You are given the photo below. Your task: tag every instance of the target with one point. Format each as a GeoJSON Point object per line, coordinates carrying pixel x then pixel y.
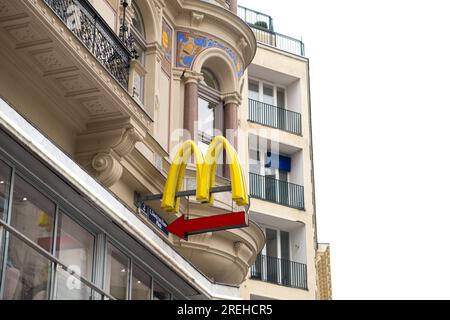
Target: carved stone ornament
{"type": "Point", "coordinates": [196, 19]}
{"type": "Point", "coordinates": [103, 148]}
{"type": "Point", "coordinates": [109, 170]}
{"type": "Point", "coordinates": [127, 142]}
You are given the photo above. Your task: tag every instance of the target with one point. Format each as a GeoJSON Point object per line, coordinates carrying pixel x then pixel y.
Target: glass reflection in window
{"type": "Point", "coordinates": [159, 293]}
{"type": "Point", "coordinates": [141, 285]}
{"type": "Point", "coordinates": [268, 94]}
{"type": "Point", "coordinates": [210, 80]}
{"type": "Point", "coordinates": [253, 90]}
{"type": "Point", "coordinates": [137, 21]}
{"type": "Point", "coordinates": [32, 213]}
{"type": "Point", "coordinates": [117, 272]}
{"type": "Point", "coordinates": [206, 117]}
{"type": "Point", "coordinates": [5, 184]}
{"type": "Point", "coordinates": [5, 178]}
{"type": "Point", "coordinates": [75, 248]}
{"type": "Point", "coordinates": [27, 273]}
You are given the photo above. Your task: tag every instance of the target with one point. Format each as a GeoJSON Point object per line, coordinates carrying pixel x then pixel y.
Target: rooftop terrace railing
{"type": "Point", "coordinates": [262, 26]}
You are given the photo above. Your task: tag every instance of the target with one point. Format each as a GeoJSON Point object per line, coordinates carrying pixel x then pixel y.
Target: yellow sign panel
{"type": "Point", "coordinates": [206, 172]}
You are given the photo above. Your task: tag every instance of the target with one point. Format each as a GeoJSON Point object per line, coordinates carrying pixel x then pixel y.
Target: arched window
{"type": "Point", "coordinates": [210, 80]}
{"type": "Point", "coordinates": [137, 22]}
{"type": "Point", "coordinates": [210, 109]}
{"type": "Point", "coordinates": [138, 33]}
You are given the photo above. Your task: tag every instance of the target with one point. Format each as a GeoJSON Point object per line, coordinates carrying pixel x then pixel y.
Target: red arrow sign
{"type": "Point", "coordinates": [183, 228]}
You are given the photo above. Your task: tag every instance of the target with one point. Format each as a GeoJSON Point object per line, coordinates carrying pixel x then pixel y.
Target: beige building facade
{"type": "Point", "coordinates": [96, 97]}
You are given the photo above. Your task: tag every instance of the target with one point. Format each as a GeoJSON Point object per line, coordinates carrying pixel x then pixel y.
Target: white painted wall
{"type": "Point", "coordinates": [298, 244]}
{"type": "Point", "coordinates": [294, 96]}
{"type": "Point", "coordinates": [108, 13]}
{"type": "Point", "coordinates": [297, 172]}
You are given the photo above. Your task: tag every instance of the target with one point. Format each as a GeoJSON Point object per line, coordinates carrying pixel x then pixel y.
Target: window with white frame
{"type": "Point", "coordinates": [277, 245]}
{"type": "Point", "coordinates": [268, 93]}
{"type": "Point", "coordinates": [277, 252]}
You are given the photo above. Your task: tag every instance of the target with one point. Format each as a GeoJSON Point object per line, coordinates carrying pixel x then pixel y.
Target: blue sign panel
{"type": "Point", "coordinates": [277, 161]}
{"type": "Point", "coordinates": [154, 218]}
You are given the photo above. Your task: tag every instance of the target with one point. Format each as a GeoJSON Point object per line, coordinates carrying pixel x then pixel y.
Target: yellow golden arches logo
{"type": "Point", "coordinates": [206, 172]}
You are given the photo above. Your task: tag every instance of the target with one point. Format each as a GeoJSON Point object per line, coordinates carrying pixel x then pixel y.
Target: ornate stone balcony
{"type": "Point", "coordinates": [95, 34]}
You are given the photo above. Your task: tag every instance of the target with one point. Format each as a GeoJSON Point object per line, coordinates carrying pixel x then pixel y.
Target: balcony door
{"type": "Point", "coordinates": [283, 187]}
{"type": "Point", "coordinates": [285, 263]}
{"type": "Point", "coordinates": [270, 184]}
{"type": "Point", "coordinates": [274, 97]}
{"type": "Point", "coordinates": [253, 90]}
{"type": "Point", "coordinates": [281, 104]}
{"type": "Point", "coordinates": [272, 255]}
{"type": "Point", "coordinates": [277, 263]}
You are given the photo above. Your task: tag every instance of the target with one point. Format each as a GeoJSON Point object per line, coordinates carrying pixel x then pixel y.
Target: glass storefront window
{"type": "Point", "coordinates": [27, 273]}
{"type": "Point", "coordinates": [2, 243]}
{"type": "Point", "coordinates": [5, 184]}
{"type": "Point", "coordinates": [141, 285]}
{"type": "Point", "coordinates": [32, 214]}
{"type": "Point", "coordinates": [75, 248]}
{"type": "Point", "coordinates": [117, 272]}
{"type": "Point", "coordinates": [26, 270]}
{"type": "Point", "coordinates": [70, 288]}
{"type": "Point", "coordinates": [159, 293]}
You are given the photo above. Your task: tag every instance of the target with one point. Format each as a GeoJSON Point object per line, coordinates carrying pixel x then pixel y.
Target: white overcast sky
{"type": "Point", "coordinates": [381, 123]}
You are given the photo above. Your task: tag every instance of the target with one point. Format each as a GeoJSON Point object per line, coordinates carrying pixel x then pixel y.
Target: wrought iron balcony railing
{"type": "Point", "coordinates": [280, 271]}
{"type": "Point", "coordinates": [262, 26]}
{"type": "Point", "coordinates": [275, 117]}
{"type": "Point", "coordinates": [277, 191]}
{"type": "Point", "coordinates": [95, 34]}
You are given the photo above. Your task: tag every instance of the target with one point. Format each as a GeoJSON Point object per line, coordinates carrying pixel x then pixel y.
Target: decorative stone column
{"type": "Point", "coordinates": [233, 6]}
{"type": "Point", "coordinates": [191, 104]}
{"type": "Point", "coordinates": [231, 125]}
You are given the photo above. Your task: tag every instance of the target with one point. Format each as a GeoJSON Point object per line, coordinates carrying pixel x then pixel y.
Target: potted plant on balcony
{"type": "Point", "coordinates": [262, 25]}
